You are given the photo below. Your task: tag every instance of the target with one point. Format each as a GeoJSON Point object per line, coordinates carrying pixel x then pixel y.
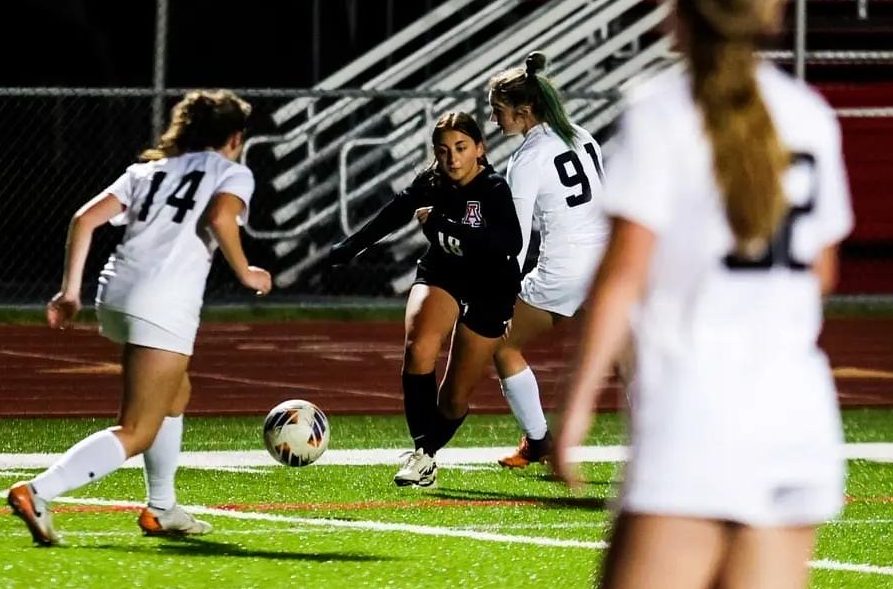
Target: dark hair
{"type": "Point", "coordinates": [522, 86]}
{"type": "Point", "coordinates": [202, 119]}
{"type": "Point", "coordinates": [457, 121]}
{"type": "Point", "coordinates": [452, 121]}
{"type": "Point", "coordinates": [748, 155]}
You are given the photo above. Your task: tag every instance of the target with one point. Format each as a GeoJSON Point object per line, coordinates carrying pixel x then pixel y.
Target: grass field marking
{"type": "Point", "coordinates": [129, 533]}
{"type": "Point", "coordinates": [361, 525]}
{"type": "Point", "coordinates": [375, 526]}
{"type": "Point", "coordinates": [386, 456]}
{"type": "Point", "coordinates": [867, 569]}
{"type": "Point", "coordinates": [217, 459]}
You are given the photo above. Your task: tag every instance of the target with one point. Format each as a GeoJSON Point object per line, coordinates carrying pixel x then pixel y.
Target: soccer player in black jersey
{"type": "Point", "coordinates": [465, 285]}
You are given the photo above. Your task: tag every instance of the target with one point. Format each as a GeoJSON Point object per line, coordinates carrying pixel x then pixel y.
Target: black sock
{"type": "Point", "coordinates": [442, 432]}
{"type": "Point", "coordinates": [420, 405]}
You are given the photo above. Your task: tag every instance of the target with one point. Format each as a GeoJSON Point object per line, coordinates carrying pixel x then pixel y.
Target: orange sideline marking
{"type": "Point", "coordinates": [347, 505]}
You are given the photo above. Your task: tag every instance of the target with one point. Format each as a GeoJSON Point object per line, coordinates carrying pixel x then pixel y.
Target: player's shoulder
{"type": "Point", "coordinates": [490, 179]}
{"type": "Point", "coordinates": [795, 98]}
{"type": "Point", "coordinates": [582, 135]}
{"type": "Point", "coordinates": [541, 143]}
{"type": "Point", "coordinates": [654, 94]}
{"type": "Point", "coordinates": [223, 166]}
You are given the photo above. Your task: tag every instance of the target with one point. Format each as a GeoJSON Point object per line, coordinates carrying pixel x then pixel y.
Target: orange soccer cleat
{"type": "Point", "coordinates": [529, 451]}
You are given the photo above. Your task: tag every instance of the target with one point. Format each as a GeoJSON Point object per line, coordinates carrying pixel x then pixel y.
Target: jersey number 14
{"type": "Point", "coordinates": [183, 204]}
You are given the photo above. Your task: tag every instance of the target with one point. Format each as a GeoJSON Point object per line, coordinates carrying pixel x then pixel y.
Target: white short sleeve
{"type": "Point", "coordinates": [122, 189]}
{"type": "Point", "coordinates": [238, 181]}
{"type": "Point", "coordinates": [523, 176]}
{"type": "Point", "coordinates": [640, 178]}
{"type": "Point", "coordinates": [833, 210]}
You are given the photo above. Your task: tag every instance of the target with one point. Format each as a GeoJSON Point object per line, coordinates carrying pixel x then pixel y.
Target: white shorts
{"type": "Point", "coordinates": [124, 328]}
{"type": "Point", "coordinates": [763, 448]}
{"type": "Point", "coordinates": [558, 292]}
{"type": "Point", "coordinates": [750, 502]}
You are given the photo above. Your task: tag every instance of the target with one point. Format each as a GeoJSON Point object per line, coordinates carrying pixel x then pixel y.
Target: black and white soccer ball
{"type": "Point", "coordinates": [296, 432]}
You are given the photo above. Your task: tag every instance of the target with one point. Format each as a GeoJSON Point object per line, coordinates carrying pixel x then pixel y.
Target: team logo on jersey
{"type": "Point", "coordinates": [473, 214]}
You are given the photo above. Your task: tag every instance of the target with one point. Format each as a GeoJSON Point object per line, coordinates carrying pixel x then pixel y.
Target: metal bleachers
{"type": "Point", "coordinates": [339, 155]}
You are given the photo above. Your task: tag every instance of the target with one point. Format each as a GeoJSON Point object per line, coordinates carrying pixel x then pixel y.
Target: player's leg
{"type": "Point", "coordinates": [151, 381]}
{"type": "Point", "coordinates": [519, 383]}
{"type": "Point", "coordinates": [768, 558]}
{"type": "Point", "coordinates": [649, 551]}
{"type": "Point", "coordinates": [162, 456]}
{"type": "Point", "coordinates": [470, 356]}
{"type": "Point", "coordinates": [162, 515]}
{"type": "Point", "coordinates": [431, 314]}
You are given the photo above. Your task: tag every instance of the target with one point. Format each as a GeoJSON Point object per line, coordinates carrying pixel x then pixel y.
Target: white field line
{"type": "Point", "coordinates": [868, 569]}
{"type": "Point", "coordinates": [881, 452]}
{"type": "Point", "coordinates": [371, 526]}
{"type": "Point", "coordinates": [375, 526]}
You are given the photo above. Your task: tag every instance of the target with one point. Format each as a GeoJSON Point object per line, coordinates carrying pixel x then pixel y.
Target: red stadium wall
{"type": "Point", "coordinates": [867, 256]}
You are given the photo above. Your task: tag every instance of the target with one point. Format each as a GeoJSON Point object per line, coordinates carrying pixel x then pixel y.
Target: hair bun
{"type": "Point", "coordinates": [535, 63]}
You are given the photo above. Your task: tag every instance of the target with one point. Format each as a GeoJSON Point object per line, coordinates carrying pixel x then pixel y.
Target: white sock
{"type": "Point", "coordinates": [161, 460]}
{"type": "Point", "coordinates": [89, 460]}
{"type": "Point", "coordinates": [523, 395]}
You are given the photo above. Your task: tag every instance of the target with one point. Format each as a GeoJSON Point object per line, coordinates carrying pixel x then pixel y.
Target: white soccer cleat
{"type": "Point", "coordinates": [419, 470]}
{"type": "Point", "coordinates": [35, 512]}
{"type": "Point", "coordinates": [171, 522]}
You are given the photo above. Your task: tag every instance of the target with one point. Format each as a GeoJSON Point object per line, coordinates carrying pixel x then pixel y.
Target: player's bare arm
{"type": "Point", "coordinates": [66, 303]}
{"type": "Point", "coordinates": [221, 219]}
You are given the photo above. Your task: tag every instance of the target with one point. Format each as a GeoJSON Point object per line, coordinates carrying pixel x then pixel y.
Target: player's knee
{"type": "Point", "coordinates": [453, 406]}
{"type": "Point", "coordinates": [136, 439]}
{"type": "Point", "coordinates": [420, 355]}
{"type": "Point", "coordinates": [506, 356]}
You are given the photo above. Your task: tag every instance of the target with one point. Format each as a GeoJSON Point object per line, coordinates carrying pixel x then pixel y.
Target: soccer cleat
{"type": "Point", "coordinates": [35, 512]}
{"type": "Point", "coordinates": [528, 452]}
{"type": "Point", "coordinates": [419, 469]}
{"type": "Point", "coordinates": [171, 522]}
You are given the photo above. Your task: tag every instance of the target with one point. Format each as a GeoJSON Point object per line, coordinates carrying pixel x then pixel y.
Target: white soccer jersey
{"type": "Point", "coordinates": [734, 398]}
{"type": "Point", "coordinates": [158, 272]}
{"type": "Point", "coordinates": [562, 188]}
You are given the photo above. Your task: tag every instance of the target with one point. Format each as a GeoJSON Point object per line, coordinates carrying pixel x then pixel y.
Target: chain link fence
{"type": "Point", "coordinates": [325, 162]}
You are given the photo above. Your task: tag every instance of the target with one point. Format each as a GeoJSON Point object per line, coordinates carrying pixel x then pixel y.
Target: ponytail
{"type": "Point", "coordinates": [202, 119]}
{"type": "Point", "coordinates": [526, 86]}
{"type": "Point", "coordinates": [748, 155]}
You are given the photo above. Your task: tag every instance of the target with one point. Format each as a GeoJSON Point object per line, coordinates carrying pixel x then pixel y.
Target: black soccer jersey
{"type": "Point", "coordinates": [473, 230]}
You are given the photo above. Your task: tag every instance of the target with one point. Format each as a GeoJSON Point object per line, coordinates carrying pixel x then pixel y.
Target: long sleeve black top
{"type": "Point", "coordinates": [472, 229]}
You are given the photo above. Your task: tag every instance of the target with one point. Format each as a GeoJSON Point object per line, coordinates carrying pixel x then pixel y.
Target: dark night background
{"type": "Point", "coordinates": [211, 43]}
{"type": "Point", "coordinates": [58, 151]}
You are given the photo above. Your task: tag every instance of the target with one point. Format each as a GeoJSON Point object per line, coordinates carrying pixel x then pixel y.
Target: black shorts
{"type": "Point", "coordinates": [485, 306]}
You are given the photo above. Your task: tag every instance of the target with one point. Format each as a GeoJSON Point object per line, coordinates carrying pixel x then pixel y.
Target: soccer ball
{"type": "Point", "coordinates": [296, 432]}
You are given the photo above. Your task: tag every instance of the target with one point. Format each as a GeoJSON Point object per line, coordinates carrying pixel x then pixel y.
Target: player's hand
{"type": "Point", "coordinates": [571, 433]}
{"type": "Point", "coordinates": [423, 214]}
{"type": "Point", "coordinates": [62, 309]}
{"type": "Point", "coordinates": [257, 279]}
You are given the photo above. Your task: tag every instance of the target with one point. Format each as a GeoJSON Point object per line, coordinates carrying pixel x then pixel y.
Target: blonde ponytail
{"type": "Point", "coordinates": [748, 155]}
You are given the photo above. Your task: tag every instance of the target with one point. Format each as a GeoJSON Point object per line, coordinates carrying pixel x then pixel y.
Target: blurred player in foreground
{"type": "Point", "coordinates": [728, 196]}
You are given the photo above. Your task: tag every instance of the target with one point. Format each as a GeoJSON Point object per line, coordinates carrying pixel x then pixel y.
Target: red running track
{"type": "Point", "coordinates": [345, 367]}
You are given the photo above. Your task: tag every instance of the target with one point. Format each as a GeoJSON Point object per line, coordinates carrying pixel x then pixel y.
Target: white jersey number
{"type": "Point", "coordinates": [449, 244]}
{"type": "Point", "coordinates": [779, 253]}
{"type": "Point", "coordinates": [578, 178]}
{"type": "Point", "coordinates": [183, 204]}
